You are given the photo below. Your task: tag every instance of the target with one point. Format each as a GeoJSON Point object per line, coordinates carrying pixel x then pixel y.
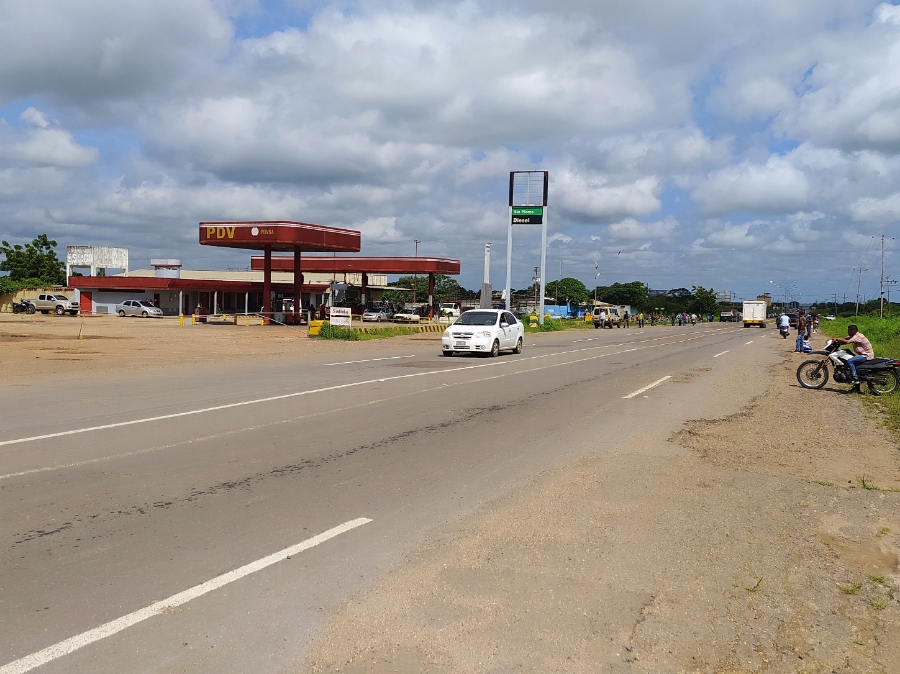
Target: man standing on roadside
{"type": "Point", "coordinates": [801, 331]}
{"type": "Point", "coordinates": [863, 349]}
{"type": "Point", "coordinates": [641, 319]}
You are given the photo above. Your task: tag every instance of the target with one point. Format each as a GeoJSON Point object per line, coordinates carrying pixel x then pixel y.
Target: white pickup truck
{"type": "Point", "coordinates": [58, 304]}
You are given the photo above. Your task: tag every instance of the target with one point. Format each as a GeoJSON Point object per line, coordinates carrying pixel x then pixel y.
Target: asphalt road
{"type": "Point", "coordinates": [129, 490]}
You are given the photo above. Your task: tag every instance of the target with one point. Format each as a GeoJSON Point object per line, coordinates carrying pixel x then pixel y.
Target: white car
{"type": "Point", "coordinates": [141, 308]}
{"type": "Point", "coordinates": [486, 331]}
{"type": "Point", "coordinates": [407, 317]}
{"type": "Point", "coordinates": [376, 315]}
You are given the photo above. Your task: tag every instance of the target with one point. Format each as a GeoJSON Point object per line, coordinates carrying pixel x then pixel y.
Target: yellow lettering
{"type": "Point", "coordinates": [210, 231]}
{"type": "Point", "coordinates": [220, 232]}
{"type": "Point", "coordinates": [230, 231]}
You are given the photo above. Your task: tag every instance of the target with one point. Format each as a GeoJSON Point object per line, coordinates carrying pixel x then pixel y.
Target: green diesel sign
{"type": "Point", "coordinates": [528, 211]}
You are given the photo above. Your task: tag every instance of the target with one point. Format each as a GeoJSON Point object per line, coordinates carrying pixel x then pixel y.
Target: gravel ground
{"type": "Point", "coordinates": [711, 549]}
{"type": "Point", "coordinates": [37, 346]}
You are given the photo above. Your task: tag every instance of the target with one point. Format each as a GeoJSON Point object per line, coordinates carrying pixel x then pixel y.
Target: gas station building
{"type": "Point", "coordinates": [273, 282]}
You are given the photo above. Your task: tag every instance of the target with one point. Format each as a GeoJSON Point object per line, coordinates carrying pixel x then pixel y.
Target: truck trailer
{"type": "Point", "coordinates": [755, 313]}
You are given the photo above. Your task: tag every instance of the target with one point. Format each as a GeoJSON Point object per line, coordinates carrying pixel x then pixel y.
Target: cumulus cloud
{"type": "Point", "coordinates": [629, 228]}
{"type": "Point", "coordinates": [775, 186]}
{"type": "Point", "coordinates": [596, 196]}
{"type": "Point", "coordinates": [42, 143]}
{"type": "Point", "coordinates": [671, 131]}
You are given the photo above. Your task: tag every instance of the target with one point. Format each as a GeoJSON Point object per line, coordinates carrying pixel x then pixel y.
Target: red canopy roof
{"type": "Point", "coordinates": [280, 235]}
{"type": "Point", "coordinates": [368, 265]}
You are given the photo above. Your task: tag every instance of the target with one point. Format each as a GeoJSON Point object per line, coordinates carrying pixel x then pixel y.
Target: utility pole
{"type": "Point", "coordinates": [889, 282]}
{"type": "Point", "coordinates": [835, 304]}
{"type": "Point", "coordinates": [881, 286]}
{"type": "Point", "coordinates": [859, 270]}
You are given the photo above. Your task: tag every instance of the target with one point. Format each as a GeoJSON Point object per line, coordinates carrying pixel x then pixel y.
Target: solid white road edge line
{"type": "Point", "coordinates": [632, 395]}
{"type": "Point", "coordinates": [55, 651]}
{"type": "Point", "coordinates": [285, 396]}
{"type": "Point", "coordinates": [720, 354]}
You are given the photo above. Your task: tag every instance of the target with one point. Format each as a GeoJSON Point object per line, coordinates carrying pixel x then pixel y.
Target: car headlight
{"type": "Point", "coordinates": [484, 333]}
{"type": "Point", "coordinates": [447, 334]}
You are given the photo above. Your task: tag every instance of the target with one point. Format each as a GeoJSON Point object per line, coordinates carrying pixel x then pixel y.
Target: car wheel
{"type": "Point", "coordinates": [518, 348]}
{"type": "Point", "coordinates": [495, 349]}
{"type": "Point", "coordinates": [60, 311]}
{"type": "Point", "coordinates": [45, 311]}
{"type": "Point", "coordinates": [144, 314]}
{"type": "Point", "coordinates": [122, 313]}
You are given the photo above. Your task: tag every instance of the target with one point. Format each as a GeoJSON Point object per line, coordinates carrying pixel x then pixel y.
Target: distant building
{"type": "Point", "coordinates": [765, 297]}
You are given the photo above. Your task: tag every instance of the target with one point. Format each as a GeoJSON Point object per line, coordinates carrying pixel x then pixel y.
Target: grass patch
{"type": "Point", "coordinates": [329, 331]}
{"type": "Point", "coordinates": [824, 483]}
{"type": "Point", "coordinates": [880, 603]}
{"type": "Point", "coordinates": [865, 482]}
{"type": "Point", "coordinates": [885, 337]}
{"type": "Point", "coordinates": [754, 588]}
{"type": "Point", "coordinates": [883, 531]}
{"type": "Point", "coordinates": [852, 588]}
{"type": "Point", "coordinates": [877, 579]}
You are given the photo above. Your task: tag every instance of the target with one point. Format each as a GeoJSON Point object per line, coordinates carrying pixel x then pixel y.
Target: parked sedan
{"type": "Point", "coordinates": [376, 315]}
{"type": "Point", "coordinates": [486, 331]}
{"type": "Point", "coordinates": [411, 316]}
{"type": "Point", "coordinates": [141, 308]}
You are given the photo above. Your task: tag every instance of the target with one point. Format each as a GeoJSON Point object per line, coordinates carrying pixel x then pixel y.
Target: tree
{"type": "Point", "coordinates": [445, 288]}
{"type": "Point", "coordinates": [634, 294]}
{"type": "Point", "coordinates": [568, 290]}
{"type": "Point", "coordinates": [704, 301]}
{"type": "Point", "coordinates": [33, 261]}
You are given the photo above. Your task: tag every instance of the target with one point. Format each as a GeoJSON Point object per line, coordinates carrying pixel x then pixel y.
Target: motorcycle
{"type": "Point", "coordinates": [785, 330]}
{"type": "Point", "coordinates": [881, 374]}
{"type": "Point", "coordinates": [23, 307]}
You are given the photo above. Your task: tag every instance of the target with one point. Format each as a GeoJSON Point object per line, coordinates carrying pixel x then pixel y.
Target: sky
{"type": "Point", "coordinates": [744, 146]}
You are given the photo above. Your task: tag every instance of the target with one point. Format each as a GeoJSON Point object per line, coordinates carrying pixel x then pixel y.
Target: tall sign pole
{"type": "Point", "coordinates": [527, 206]}
{"type": "Point", "coordinates": [509, 248]}
{"type": "Point", "coordinates": [544, 263]}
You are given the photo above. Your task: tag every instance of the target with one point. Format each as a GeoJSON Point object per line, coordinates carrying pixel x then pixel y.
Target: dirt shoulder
{"type": "Point", "coordinates": [35, 346]}
{"type": "Point", "coordinates": [711, 550]}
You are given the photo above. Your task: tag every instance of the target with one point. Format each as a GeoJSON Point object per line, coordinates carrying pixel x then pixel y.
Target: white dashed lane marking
{"type": "Point", "coordinates": [647, 387]}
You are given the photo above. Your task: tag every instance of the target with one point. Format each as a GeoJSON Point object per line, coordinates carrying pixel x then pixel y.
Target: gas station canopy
{"type": "Point", "coordinates": [366, 265]}
{"type": "Point", "coordinates": [279, 235]}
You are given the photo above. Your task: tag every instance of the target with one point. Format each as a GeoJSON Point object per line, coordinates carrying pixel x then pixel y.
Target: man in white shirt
{"type": "Point", "coordinates": [602, 318]}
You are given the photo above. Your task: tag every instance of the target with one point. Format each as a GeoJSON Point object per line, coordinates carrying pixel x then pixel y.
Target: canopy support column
{"type": "Point", "coordinates": [431, 295]}
{"type": "Point", "coordinates": [267, 284]}
{"type": "Point", "coordinates": [298, 284]}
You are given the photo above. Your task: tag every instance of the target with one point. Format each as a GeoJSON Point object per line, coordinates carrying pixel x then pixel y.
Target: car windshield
{"type": "Point", "coordinates": [478, 318]}
{"type": "Point", "coordinates": [448, 305]}
{"type": "Point", "coordinates": [62, 297]}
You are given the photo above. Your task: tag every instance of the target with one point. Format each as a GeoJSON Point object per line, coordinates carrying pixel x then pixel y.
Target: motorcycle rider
{"type": "Point", "coordinates": [784, 322]}
{"type": "Point", "coordinates": [862, 347]}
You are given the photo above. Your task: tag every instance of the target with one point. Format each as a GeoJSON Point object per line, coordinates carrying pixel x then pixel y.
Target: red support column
{"type": "Point", "coordinates": [364, 289]}
{"type": "Point", "coordinates": [267, 284]}
{"type": "Point", "coordinates": [298, 285]}
{"type": "Point", "coordinates": [431, 296]}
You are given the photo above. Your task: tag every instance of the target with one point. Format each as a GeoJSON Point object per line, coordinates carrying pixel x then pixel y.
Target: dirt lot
{"type": "Point", "coordinates": [692, 552]}
{"type": "Point", "coordinates": [39, 346]}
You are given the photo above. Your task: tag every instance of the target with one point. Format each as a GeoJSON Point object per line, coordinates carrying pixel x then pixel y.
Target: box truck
{"type": "Point", "coordinates": [755, 313]}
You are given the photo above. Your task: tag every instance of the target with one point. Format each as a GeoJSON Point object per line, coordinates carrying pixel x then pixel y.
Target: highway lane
{"type": "Point", "coordinates": [149, 510]}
